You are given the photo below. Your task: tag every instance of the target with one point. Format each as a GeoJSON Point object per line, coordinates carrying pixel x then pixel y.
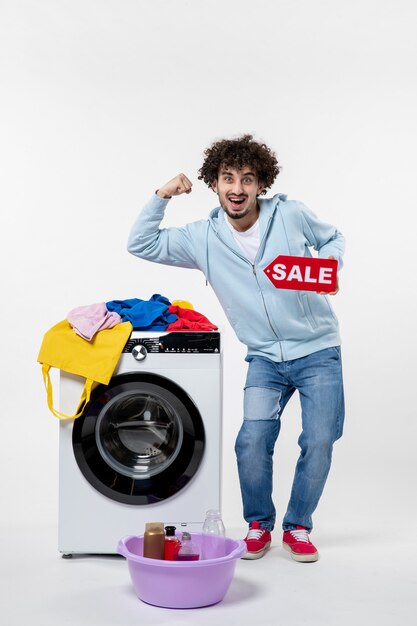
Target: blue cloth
{"type": "Point", "coordinates": [152, 314]}
{"type": "Point", "coordinates": [269, 386]}
{"type": "Point", "coordinates": [281, 324]}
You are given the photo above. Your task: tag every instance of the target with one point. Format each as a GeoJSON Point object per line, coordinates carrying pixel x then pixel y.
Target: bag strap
{"type": "Point", "coordinates": [85, 396]}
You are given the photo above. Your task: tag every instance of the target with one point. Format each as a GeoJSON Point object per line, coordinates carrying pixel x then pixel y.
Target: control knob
{"type": "Point", "coordinates": [139, 352]}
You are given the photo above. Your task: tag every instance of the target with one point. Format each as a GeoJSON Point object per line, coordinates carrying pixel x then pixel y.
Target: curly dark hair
{"type": "Point", "coordinates": [237, 153]}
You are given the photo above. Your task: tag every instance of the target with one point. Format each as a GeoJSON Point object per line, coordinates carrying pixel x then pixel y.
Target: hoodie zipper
{"type": "Point", "coordinates": [278, 336]}
{"type": "Point", "coordinates": [261, 246]}
{"type": "Point", "coordinates": [258, 255]}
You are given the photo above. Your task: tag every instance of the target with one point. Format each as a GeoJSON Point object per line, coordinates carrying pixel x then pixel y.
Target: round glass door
{"type": "Point", "coordinates": [140, 440]}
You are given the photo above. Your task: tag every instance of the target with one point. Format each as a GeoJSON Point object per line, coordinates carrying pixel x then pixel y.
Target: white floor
{"type": "Point", "coordinates": [361, 578]}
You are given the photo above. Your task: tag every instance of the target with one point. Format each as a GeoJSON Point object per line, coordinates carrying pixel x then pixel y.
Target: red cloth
{"type": "Point", "coordinates": [188, 319]}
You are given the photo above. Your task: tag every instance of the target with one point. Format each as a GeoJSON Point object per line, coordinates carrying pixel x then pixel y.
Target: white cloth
{"type": "Point", "coordinates": [248, 240]}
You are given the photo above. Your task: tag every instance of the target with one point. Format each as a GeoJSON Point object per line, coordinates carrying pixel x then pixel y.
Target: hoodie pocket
{"type": "Point", "coordinates": [308, 312]}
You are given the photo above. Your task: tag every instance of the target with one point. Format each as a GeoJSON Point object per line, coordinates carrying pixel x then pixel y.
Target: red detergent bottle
{"type": "Point", "coordinates": [188, 551]}
{"type": "Point", "coordinates": [172, 544]}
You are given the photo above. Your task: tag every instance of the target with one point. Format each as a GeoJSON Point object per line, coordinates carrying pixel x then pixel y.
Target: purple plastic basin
{"type": "Point", "coordinates": [183, 584]}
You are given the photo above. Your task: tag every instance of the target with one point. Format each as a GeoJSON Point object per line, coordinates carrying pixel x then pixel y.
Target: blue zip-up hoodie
{"type": "Point", "coordinates": [281, 324]}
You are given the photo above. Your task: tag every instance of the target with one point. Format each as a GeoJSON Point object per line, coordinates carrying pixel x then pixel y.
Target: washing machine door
{"type": "Point", "coordinates": [140, 439]}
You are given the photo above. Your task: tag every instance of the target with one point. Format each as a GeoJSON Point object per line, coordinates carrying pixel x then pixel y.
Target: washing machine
{"type": "Point", "coordinates": [148, 446]}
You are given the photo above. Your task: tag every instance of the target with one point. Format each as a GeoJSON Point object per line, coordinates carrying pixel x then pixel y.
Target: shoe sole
{"type": "Point", "coordinates": [301, 558]}
{"type": "Point", "coordinates": [250, 556]}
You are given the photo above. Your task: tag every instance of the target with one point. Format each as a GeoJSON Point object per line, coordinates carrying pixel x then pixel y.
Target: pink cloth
{"type": "Point", "coordinates": [88, 320]}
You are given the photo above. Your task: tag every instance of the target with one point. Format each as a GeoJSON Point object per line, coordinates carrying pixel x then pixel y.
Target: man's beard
{"type": "Point", "coordinates": [231, 212]}
{"type": "Point", "coordinates": [237, 216]}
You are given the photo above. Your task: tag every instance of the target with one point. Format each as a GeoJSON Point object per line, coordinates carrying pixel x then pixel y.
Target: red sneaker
{"type": "Point", "coordinates": [298, 543]}
{"type": "Point", "coordinates": [257, 541]}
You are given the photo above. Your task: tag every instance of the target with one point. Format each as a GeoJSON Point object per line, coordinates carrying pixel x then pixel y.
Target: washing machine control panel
{"type": "Point", "coordinates": [182, 342]}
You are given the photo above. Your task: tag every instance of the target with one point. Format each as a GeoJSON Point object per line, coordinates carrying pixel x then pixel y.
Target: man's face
{"type": "Point", "coordinates": [238, 191]}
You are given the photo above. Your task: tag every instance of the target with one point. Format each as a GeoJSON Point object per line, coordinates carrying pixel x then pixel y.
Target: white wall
{"type": "Point", "coordinates": [103, 101]}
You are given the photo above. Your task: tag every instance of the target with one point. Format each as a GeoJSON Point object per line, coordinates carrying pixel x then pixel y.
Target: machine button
{"type": "Point", "coordinates": [139, 352]}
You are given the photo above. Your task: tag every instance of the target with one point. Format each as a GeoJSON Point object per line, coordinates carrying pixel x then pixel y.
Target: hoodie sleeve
{"type": "Point", "coordinates": [170, 246]}
{"type": "Point", "coordinates": [323, 237]}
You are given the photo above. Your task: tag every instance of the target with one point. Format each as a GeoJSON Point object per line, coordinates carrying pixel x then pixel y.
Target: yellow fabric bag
{"type": "Point", "coordinates": [93, 360]}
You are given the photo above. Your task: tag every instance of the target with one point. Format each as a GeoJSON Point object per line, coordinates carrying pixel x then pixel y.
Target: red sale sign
{"type": "Point", "coordinates": [304, 273]}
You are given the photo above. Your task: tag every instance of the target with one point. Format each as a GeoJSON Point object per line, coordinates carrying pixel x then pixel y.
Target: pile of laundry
{"type": "Point", "coordinates": [155, 314]}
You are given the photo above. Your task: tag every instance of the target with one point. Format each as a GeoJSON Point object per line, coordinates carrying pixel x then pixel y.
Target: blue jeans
{"type": "Point", "coordinates": [269, 386]}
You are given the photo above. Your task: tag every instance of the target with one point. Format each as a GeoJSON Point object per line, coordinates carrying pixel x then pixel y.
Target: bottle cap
{"type": "Point", "coordinates": [154, 527]}
{"type": "Point", "coordinates": [170, 531]}
{"type": "Point", "coordinates": [186, 535]}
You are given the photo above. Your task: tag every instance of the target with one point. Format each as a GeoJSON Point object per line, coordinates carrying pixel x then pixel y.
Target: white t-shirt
{"type": "Point", "coordinates": [248, 241]}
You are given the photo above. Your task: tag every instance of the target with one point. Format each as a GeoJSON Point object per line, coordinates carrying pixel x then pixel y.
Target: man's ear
{"type": "Point", "coordinates": [214, 185]}
{"type": "Point", "coordinates": [261, 188]}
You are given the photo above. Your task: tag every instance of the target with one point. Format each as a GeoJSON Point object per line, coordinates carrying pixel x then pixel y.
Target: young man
{"type": "Point", "coordinates": [292, 336]}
